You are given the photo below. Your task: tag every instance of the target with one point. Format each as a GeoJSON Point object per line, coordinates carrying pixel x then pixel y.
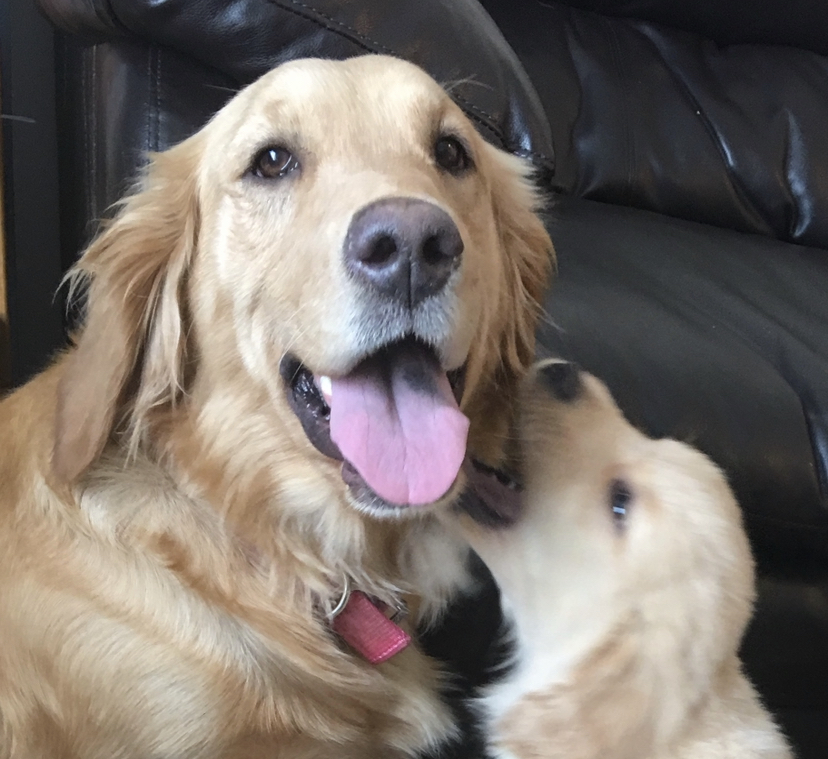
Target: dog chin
{"type": "Point", "coordinates": [362, 498]}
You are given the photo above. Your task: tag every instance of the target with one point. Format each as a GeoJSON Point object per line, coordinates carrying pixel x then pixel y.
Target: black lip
{"type": "Point", "coordinates": [492, 497]}
{"type": "Point", "coordinates": [309, 406]}
{"type": "Point", "coordinates": [364, 494]}
{"type": "Point", "coordinates": [457, 380]}
{"type": "Point", "coordinates": [314, 414]}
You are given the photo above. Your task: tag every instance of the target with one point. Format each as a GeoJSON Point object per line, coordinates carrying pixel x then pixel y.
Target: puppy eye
{"type": "Point", "coordinates": [620, 497]}
{"type": "Point", "coordinates": [273, 162]}
{"type": "Point", "coordinates": [451, 155]}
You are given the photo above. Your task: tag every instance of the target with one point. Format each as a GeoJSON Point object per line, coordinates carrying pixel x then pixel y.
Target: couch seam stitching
{"type": "Point", "coordinates": [373, 46]}
{"type": "Point", "coordinates": [148, 125]}
{"type": "Point", "coordinates": [88, 128]}
{"type": "Point", "coordinates": [366, 43]}
{"type": "Point", "coordinates": [158, 97]}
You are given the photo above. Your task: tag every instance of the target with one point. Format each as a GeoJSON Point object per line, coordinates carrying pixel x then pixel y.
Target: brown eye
{"type": "Point", "coordinates": [274, 162]}
{"type": "Point", "coordinates": [451, 155]}
{"type": "Point", "coordinates": [620, 499]}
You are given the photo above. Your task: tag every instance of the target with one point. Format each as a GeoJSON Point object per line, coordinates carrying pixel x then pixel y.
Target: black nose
{"type": "Point", "coordinates": [404, 248]}
{"type": "Point", "coordinates": [562, 379]}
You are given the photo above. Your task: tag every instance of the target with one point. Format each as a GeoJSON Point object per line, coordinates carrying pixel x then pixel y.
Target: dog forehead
{"type": "Point", "coordinates": [575, 406]}
{"type": "Point", "coordinates": [377, 93]}
{"type": "Point", "coordinates": [378, 75]}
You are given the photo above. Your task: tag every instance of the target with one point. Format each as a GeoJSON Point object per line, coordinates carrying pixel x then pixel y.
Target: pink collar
{"type": "Point", "coordinates": [363, 625]}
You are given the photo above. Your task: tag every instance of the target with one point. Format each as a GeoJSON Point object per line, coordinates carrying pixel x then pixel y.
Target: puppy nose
{"type": "Point", "coordinates": [562, 379]}
{"type": "Point", "coordinates": [404, 248]}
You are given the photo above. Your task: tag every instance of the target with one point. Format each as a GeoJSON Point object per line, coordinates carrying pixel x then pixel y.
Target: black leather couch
{"type": "Point", "coordinates": [685, 152]}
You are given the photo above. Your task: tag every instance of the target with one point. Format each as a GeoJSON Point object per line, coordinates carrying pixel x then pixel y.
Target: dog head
{"type": "Point", "coordinates": [622, 557]}
{"type": "Point", "coordinates": [336, 258]}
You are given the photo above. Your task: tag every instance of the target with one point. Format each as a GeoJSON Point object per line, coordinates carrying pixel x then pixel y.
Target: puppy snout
{"type": "Point", "coordinates": [562, 379]}
{"type": "Point", "coordinates": [404, 248]}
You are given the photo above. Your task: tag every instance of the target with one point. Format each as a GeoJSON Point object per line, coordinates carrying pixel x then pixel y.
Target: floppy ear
{"type": "Point", "coordinates": [528, 261]}
{"type": "Point", "coordinates": [530, 256]}
{"type": "Point", "coordinates": [133, 341]}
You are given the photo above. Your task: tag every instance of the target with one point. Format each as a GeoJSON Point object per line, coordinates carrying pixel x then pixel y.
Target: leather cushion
{"type": "Point", "coordinates": [711, 336]}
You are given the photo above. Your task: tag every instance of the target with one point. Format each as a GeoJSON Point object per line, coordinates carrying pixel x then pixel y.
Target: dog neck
{"type": "Point", "coordinates": [597, 712]}
{"type": "Point", "coordinates": [618, 701]}
{"type": "Point", "coordinates": [290, 510]}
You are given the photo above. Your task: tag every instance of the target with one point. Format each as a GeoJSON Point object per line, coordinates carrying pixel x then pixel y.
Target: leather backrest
{"type": "Point", "coordinates": [648, 116]}
{"type": "Point", "coordinates": [217, 47]}
{"type": "Point", "coordinates": [800, 23]}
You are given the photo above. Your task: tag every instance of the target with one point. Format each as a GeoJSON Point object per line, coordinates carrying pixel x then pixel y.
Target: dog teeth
{"type": "Point", "coordinates": [326, 387]}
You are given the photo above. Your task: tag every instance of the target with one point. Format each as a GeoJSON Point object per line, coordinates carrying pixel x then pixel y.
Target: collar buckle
{"type": "Point", "coordinates": [340, 605]}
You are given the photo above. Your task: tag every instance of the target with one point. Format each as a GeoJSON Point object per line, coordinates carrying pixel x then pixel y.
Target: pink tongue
{"type": "Point", "coordinates": [395, 419]}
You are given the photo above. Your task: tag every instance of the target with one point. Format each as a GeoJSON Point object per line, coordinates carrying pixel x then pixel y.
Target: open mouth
{"type": "Point", "coordinates": [394, 421]}
{"type": "Point", "coordinates": [492, 497]}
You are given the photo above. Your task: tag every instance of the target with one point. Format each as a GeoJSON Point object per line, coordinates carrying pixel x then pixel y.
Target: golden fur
{"type": "Point", "coordinates": [626, 628]}
{"type": "Point", "coordinates": [170, 538]}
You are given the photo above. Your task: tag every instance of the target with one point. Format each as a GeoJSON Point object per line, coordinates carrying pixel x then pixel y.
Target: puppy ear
{"type": "Point", "coordinates": [131, 351]}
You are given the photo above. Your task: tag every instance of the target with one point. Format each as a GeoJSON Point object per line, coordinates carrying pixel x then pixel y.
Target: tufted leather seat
{"type": "Point", "coordinates": [684, 149]}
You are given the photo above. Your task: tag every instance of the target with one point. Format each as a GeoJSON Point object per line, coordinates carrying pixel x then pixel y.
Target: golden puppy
{"type": "Point", "coordinates": [259, 414]}
{"type": "Point", "coordinates": [628, 578]}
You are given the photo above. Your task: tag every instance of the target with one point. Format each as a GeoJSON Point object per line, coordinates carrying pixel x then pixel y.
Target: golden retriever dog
{"type": "Point", "coordinates": [628, 579]}
{"type": "Point", "coordinates": [301, 327]}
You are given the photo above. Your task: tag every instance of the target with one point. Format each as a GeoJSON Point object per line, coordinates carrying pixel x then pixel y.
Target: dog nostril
{"type": "Point", "coordinates": [403, 248]}
{"type": "Point", "coordinates": [432, 251]}
{"type": "Point", "coordinates": [381, 251]}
